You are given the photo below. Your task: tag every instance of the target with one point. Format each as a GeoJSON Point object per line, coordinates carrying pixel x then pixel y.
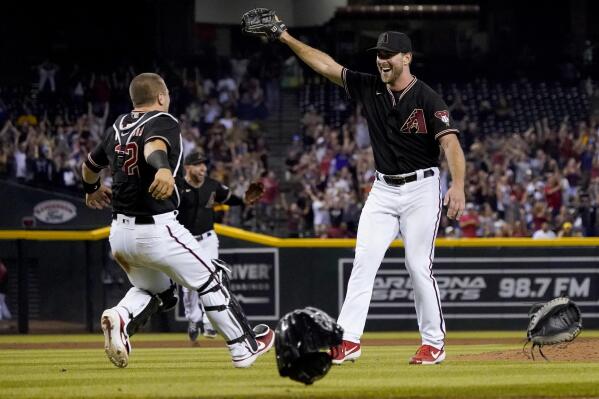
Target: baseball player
{"type": "Point", "coordinates": [408, 124]}
{"type": "Point", "coordinates": [199, 193]}
{"type": "Point", "coordinates": [143, 150]}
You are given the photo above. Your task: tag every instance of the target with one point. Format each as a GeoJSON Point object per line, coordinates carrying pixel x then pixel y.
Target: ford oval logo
{"type": "Point", "coordinates": [55, 211]}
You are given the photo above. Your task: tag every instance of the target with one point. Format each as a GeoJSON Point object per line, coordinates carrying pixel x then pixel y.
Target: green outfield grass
{"type": "Point", "coordinates": [381, 372]}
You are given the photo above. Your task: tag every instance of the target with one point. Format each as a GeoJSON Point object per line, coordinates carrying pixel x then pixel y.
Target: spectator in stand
{"type": "Point", "coordinates": [321, 217]}
{"type": "Point", "coordinates": [553, 194]}
{"type": "Point", "coordinates": [469, 222]}
{"type": "Point", "coordinates": [544, 232]}
{"type": "Point", "coordinates": [47, 74]}
{"type": "Point", "coordinates": [450, 232]}
{"type": "Point", "coordinates": [267, 202]}
{"type": "Point", "coordinates": [212, 111]}
{"type": "Point", "coordinates": [572, 174]}
{"type": "Point", "coordinates": [362, 136]}
{"type": "Point", "coordinates": [295, 218]}
{"type": "Point", "coordinates": [227, 90]}
{"type": "Point", "coordinates": [503, 110]}
{"type": "Point", "coordinates": [587, 214]}
{"type": "Point", "coordinates": [4, 311]}
{"type": "Point", "coordinates": [458, 109]}
{"type": "Point", "coordinates": [566, 230]}
{"type": "Point", "coordinates": [593, 103]}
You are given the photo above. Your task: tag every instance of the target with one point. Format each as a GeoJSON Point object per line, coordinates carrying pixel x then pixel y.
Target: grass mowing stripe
{"type": "Point", "coordinates": [143, 337]}
{"type": "Point", "coordinates": [382, 371]}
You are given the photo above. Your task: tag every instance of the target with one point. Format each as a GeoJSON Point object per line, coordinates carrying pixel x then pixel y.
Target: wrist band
{"type": "Point", "coordinates": [90, 188]}
{"type": "Point", "coordinates": [158, 160]}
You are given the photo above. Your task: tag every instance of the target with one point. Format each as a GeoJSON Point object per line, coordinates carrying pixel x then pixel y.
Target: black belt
{"type": "Point", "coordinates": [401, 180]}
{"type": "Point", "coordinates": [203, 236]}
{"type": "Point", "coordinates": [142, 219]}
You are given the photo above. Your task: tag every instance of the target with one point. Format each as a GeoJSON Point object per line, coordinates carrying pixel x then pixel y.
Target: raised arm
{"type": "Point", "coordinates": [319, 61]}
{"type": "Point", "coordinates": [264, 23]}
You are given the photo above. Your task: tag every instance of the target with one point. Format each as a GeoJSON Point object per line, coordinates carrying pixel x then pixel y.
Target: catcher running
{"type": "Point", "coordinates": [199, 194]}
{"type": "Point", "coordinates": [408, 124]}
{"type": "Point", "coordinates": [144, 152]}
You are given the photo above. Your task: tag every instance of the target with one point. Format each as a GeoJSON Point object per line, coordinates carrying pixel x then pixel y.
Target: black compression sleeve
{"type": "Point", "coordinates": [91, 188]}
{"type": "Point", "coordinates": [158, 160]}
{"type": "Point", "coordinates": [233, 200]}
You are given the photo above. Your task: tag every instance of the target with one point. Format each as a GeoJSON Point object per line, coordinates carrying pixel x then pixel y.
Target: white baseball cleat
{"type": "Point", "coordinates": [116, 342]}
{"type": "Point", "coordinates": [265, 338]}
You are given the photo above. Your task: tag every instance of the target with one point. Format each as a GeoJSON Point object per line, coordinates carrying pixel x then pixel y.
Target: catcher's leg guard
{"type": "Point", "coordinates": [136, 308]}
{"type": "Point", "coordinates": [168, 298]}
{"type": "Point", "coordinates": [225, 312]}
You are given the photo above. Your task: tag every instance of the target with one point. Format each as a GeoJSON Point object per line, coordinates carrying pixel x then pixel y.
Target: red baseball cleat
{"type": "Point", "coordinates": [265, 338]}
{"type": "Point", "coordinates": [427, 354]}
{"type": "Point", "coordinates": [346, 350]}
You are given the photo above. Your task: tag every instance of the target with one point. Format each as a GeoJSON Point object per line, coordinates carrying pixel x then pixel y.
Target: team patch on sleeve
{"type": "Point", "coordinates": [444, 116]}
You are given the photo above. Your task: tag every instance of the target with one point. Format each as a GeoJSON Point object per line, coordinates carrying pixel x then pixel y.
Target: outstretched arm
{"type": "Point", "coordinates": [97, 195]}
{"type": "Point", "coordinates": [320, 62]}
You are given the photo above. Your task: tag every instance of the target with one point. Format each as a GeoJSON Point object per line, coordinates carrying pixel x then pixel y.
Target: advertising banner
{"type": "Point", "coordinates": [484, 287]}
{"type": "Point", "coordinates": [254, 282]}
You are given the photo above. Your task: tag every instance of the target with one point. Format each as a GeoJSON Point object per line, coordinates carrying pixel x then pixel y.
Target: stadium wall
{"type": "Point", "coordinates": [66, 279]}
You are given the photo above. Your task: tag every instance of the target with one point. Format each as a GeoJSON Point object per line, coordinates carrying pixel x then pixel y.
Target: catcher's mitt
{"type": "Point", "coordinates": [262, 22]}
{"type": "Point", "coordinates": [554, 322]}
{"type": "Point", "coordinates": [254, 192]}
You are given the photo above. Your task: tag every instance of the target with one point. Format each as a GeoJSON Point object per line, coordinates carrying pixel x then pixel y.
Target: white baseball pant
{"type": "Point", "coordinates": [414, 210]}
{"type": "Point", "coordinates": [191, 301]}
{"type": "Point", "coordinates": [154, 254]}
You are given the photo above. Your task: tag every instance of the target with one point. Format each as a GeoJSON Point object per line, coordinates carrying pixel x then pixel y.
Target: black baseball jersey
{"type": "Point", "coordinates": [123, 150]}
{"type": "Point", "coordinates": [404, 127]}
{"type": "Point", "coordinates": [195, 211]}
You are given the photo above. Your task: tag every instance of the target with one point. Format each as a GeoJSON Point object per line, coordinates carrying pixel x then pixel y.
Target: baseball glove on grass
{"type": "Point", "coordinates": [262, 22]}
{"type": "Point", "coordinates": [254, 192]}
{"type": "Point", "coordinates": [554, 322]}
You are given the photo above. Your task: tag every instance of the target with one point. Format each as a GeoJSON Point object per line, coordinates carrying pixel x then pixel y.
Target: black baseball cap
{"type": "Point", "coordinates": [195, 158]}
{"type": "Point", "coordinates": [393, 42]}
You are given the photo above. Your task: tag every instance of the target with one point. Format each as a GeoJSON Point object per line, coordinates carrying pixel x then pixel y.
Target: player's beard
{"type": "Point", "coordinates": [391, 76]}
{"type": "Point", "coordinates": [196, 179]}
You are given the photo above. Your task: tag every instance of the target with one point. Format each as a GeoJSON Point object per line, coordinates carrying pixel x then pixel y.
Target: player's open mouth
{"type": "Point", "coordinates": [385, 69]}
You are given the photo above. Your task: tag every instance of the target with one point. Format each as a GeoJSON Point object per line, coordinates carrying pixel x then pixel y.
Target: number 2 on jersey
{"type": "Point", "coordinates": [130, 166]}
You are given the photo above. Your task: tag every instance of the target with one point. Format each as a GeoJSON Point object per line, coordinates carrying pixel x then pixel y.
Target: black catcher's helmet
{"type": "Point", "coordinates": [299, 337]}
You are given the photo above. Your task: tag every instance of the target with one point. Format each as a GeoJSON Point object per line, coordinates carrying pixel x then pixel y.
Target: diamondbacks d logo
{"type": "Point", "coordinates": [444, 116]}
{"type": "Point", "coordinates": [415, 122]}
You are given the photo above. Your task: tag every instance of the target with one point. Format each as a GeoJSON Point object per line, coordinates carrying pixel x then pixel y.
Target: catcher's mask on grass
{"type": "Point", "coordinates": [299, 338]}
{"type": "Point", "coordinates": [554, 322]}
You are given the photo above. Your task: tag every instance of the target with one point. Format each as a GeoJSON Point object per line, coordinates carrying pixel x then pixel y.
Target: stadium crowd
{"type": "Point", "coordinates": [49, 126]}
{"type": "Point", "coordinates": [541, 182]}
